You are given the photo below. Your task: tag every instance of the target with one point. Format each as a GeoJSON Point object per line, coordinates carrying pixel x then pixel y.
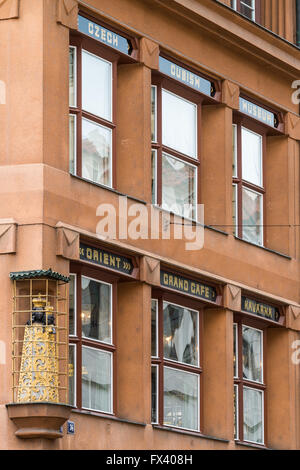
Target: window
{"type": "Point", "coordinates": [249, 388]}
{"type": "Point", "coordinates": [175, 365]}
{"type": "Point", "coordinates": [175, 164]}
{"type": "Point", "coordinates": [248, 184]}
{"type": "Point", "coordinates": [91, 342]}
{"type": "Point", "coordinates": [246, 7]}
{"type": "Point", "coordinates": [92, 84]}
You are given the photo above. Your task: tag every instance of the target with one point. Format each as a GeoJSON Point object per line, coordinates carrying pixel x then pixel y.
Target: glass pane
{"type": "Point", "coordinates": [154, 328]}
{"type": "Point", "coordinates": [153, 172]}
{"type": "Point", "coordinates": [72, 144]}
{"type": "Point", "coordinates": [234, 150]}
{"type": "Point", "coordinates": [96, 310]}
{"type": "Point", "coordinates": [179, 124]}
{"type": "Point", "coordinates": [252, 217]}
{"type": "Point", "coordinates": [236, 418]}
{"type": "Point", "coordinates": [72, 76]}
{"type": "Point", "coordinates": [234, 210]}
{"type": "Point", "coordinates": [154, 383]}
{"type": "Point", "coordinates": [253, 415]}
{"type": "Point", "coordinates": [72, 375]}
{"type": "Point", "coordinates": [96, 380]}
{"type": "Point", "coordinates": [153, 114]}
{"type": "Point", "coordinates": [181, 339]}
{"type": "Point", "coordinates": [178, 187]}
{"type": "Point", "coordinates": [235, 352]}
{"type": "Point", "coordinates": [252, 354]}
{"type": "Point", "coordinates": [251, 157]}
{"type": "Point", "coordinates": [96, 86]}
{"type": "Point", "coordinates": [246, 10]}
{"type": "Point", "coordinates": [72, 303]}
{"type": "Point", "coordinates": [96, 153]}
{"type": "Point", "coordinates": [181, 399]}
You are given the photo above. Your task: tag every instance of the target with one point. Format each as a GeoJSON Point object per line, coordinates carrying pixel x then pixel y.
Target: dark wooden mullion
{"type": "Point", "coordinates": [159, 145]}
{"type": "Point", "coordinates": [79, 116]}
{"type": "Point", "coordinates": [182, 366]}
{"type": "Point", "coordinates": [240, 385]}
{"type": "Point", "coordinates": [98, 344]}
{"type": "Point", "coordinates": [161, 365]}
{"type": "Point", "coordinates": [257, 189]}
{"type": "Point", "coordinates": [79, 344]}
{"type": "Point", "coordinates": [98, 120]}
{"type": "Point", "coordinates": [239, 181]}
{"type": "Point", "coordinates": [180, 156]}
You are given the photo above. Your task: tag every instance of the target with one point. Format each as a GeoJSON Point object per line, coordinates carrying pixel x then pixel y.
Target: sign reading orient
{"type": "Point", "coordinates": [106, 259]}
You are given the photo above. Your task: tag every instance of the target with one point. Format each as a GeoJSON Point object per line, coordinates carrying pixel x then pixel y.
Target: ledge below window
{"type": "Point", "coordinates": [189, 433]}
{"type": "Point", "coordinates": [264, 248]}
{"type": "Point", "coordinates": [112, 417]}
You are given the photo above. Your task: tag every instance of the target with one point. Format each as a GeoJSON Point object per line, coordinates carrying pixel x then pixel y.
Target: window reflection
{"type": "Point", "coordinates": [96, 153]}
{"type": "Point", "coordinates": [96, 379]}
{"type": "Point", "coordinates": [181, 391]}
{"type": "Point", "coordinates": [252, 354]}
{"type": "Point", "coordinates": [180, 334]}
{"type": "Point", "coordinates": [253, 415]}
{"type": "Point", "coordinates": [96, 310]}
{"type": "Point", "coordinates": [252, 157]}
{"type": "Point", "coordinates": [179, 124]}
{"type": "Point", "coordinates": [178, 187]}
{"type": "Point", "coordinates": [252, 217]}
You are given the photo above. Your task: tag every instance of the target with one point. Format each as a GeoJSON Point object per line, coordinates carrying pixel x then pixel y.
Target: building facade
{"type": "Point", "coordinates": [149, 224]}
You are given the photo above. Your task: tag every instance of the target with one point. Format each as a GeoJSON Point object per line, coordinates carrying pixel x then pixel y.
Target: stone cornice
{"type": "Point", "coordinates": [239, 33]}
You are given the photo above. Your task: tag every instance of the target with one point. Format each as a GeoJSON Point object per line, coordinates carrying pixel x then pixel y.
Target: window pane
{"type": "Point", "coordinates": [234, 150]}
{"type": "Point", "coordinates": [179, 124]}
{"type": "Point", "coordinates": [247, 10]}
{"type": "Point", "coordinates": [96, 380]}
{"type": "Point", "coordinates": [234, 210]}
{"type": "Point", "coordinates": [153, 114]}
{"type": "Point", "coordinates": [252, 217]}
{"type": "Point", "coordinates": [252, 354]}
{"type": "Point", "coordinates": [181, 405]}
{"type": "Point", "coordinates": [251, 157]}
{"type": "Point", "coordinates": [96, 85]}
{"type": "Point", "coordinates": [96, 153]}
{"type": "Point", "coordinates": [154, 383]}
{"type": "Point", "coordinates": [72, 144]}
{"type": "Point", "coordinates": [180, 334]}
{"type": "Point", "coordinates": [154, 328]}
{"type": "Point", "coordinates": [153, 172]}
{"type": "Point", "coordinates": [72, 76]}
{"type": "Point", "coordinates": [178, 187]}
{"type": "Point", "coordinates": [72, 375]}
{"type": "Point", "coordinates": [236, 408]}
{"type": "Point", "coordinates": [253, 415]}
{"type": "Point", "coordinates": [235, 351]}
{"type": "Point", "coordinates": [96, 310]}
{"type": "Point", "coordinates": [72, 300]}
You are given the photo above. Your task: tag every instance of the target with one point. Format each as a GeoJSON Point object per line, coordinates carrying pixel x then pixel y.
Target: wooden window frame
{"type": "Point", "coordinates": [236, 5]}
{"type": "Point", "coordinates": [81, 42]}
{"type": "Point", "coordinates": [242, 320]}
{"type": "Point", "coordinates": [243, 122]}
{"type": "Point", "coordinates": [161, 362]}
{"type": "Point", "coordinates": [161, 82]}
{"type": "Point", "coordinates": [79, 341]}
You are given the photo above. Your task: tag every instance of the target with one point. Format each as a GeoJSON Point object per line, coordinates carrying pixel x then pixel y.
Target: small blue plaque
{"type": "Point", "coordinates": [70, 427]}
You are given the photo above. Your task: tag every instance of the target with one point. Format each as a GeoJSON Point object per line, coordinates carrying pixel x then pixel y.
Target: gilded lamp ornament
{"type": "Point", "coordinates": [38, 380]}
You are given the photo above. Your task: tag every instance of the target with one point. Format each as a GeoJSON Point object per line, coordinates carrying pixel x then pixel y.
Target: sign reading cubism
{"type": "Point", "coordinates": [95, 31]}
{"type": "Point", "coordinates": [106, 259]}
{"type": "Point", "coordinates": [188, 286]}
{"type": "Point", "coordinates": [257, 112]}
{"type": "Point", "coordinates": [260, 309]}
{"type": "Point", "coordinates": [185, 76]}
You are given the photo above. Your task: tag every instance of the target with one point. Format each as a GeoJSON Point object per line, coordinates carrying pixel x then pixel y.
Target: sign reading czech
{"type": "Point", "coordinates": [257, 112]}
{"type": "Point", "coordinates": [261, 309]}
{"type": "Point", "coordinates": [185, 76]}
{"type": "Point", "coordinates": [104, 35]}
{"type": "Point", "coordinates": [106, 259]}
{"type": "Point", "coordinates": [187, 286]}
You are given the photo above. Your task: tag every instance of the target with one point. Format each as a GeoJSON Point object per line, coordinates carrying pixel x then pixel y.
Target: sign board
{"type": "Point", "coordinates": [260, 309]}
{"type": "Point", "coordinates": [188, 286]}
{"type": "Point", "coordinates": [257, 112]}
{"type": "Point", "coordinates": [106, 259]}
